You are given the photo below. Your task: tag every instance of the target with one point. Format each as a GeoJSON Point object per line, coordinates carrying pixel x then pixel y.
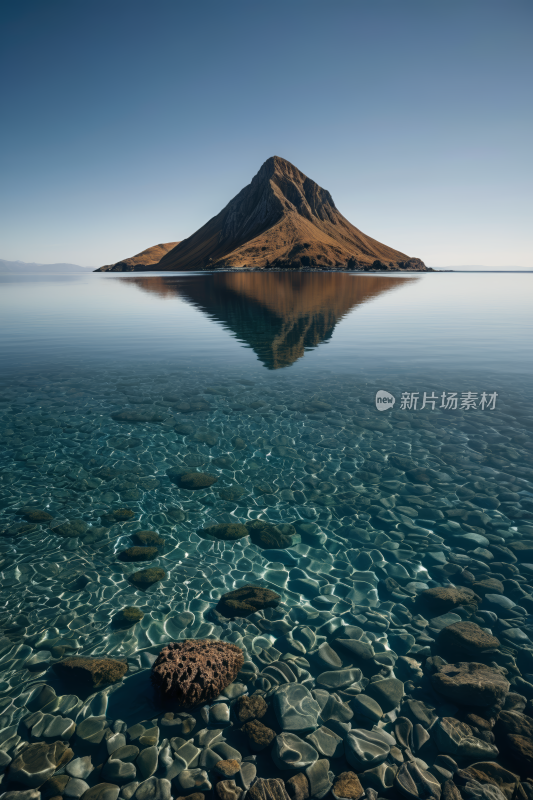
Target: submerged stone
{"type": "Point", "coordinates": [145, 578]}
{"type": "Point", "coordinates": [246, 600]}
{"type": "Point", "coordinates": [267, 536]}
{"type": "Point", "coordinates": [71, 529]}
{"type": "Point", "coordinates": [228, 532]}
{"type": "Point", "coordinates": [196, 671]}
{"type": "Point", "coordinates": [149, 539]}
{"type": "Point", "coordinates": [91, 671]}
{"type": "Point", "coordinates": [128, 616]}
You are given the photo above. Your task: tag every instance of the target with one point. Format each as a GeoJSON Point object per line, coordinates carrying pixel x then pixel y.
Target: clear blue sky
{"type": "Point", "coordinates": [129, 123]}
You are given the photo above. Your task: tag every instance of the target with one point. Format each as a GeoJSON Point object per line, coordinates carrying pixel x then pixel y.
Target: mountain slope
{"type": "Point", "coordinates": [148, 257]}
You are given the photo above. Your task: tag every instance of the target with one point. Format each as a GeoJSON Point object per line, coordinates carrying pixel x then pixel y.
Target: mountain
{"type": "Point", "coordinates": [281, 219]}
{"type": "Point", "coordinates": [279, 315]}
{"type": "Point", "coordinates": [14, 267]}
{"type": "Point", "coordinates": [147, 258]}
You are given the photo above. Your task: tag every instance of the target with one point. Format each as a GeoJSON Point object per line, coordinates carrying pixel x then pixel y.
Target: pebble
{"type": "Point", "coordinates": [291, 752]}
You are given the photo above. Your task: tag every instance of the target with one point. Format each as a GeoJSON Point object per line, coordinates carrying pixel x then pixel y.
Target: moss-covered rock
{"type": "Point", "coordinates": [145, 578]}
{"type": "Point", "coordinates": [267, 536]}
{"type": "Point", "coordinates": [128, 616]}
{"type": "Point", "coordinates": [246, 600]}
{"type": "Point", "coordinates": [91, 671]}
{"type": "Point", "coordinates": [139, 554]}
{"type": "Point", "coordinates": [149, 539]}
{"type": "Point", "coordinates": [228, 532]}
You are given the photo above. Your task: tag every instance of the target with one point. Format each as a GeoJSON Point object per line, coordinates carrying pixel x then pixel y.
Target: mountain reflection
{"type": "Point", "coordinates": [279, 315]}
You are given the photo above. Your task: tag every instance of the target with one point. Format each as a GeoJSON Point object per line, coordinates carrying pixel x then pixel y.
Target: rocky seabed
{"type": "Point", "coordinates": [385, 627]}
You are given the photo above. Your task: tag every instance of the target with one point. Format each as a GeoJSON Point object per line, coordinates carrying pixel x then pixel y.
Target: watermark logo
{"type": "Point", "coordinates": [465, 401]}
{"type": "Point", "coordinates": [384, 400]}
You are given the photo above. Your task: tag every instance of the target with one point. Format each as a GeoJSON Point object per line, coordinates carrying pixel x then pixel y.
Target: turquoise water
{"type": "Point", "coordinates": [115, 386]}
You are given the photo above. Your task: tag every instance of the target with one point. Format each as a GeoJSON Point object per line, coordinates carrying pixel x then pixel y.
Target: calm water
{"type": "Point", "coordinates": [115, 387]}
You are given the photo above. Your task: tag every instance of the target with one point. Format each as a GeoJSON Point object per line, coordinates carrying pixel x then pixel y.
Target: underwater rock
{"type": "Point", "coordinates": [228, 532]}
{"type": "Point", "coordinates": [145, 578]}
{"type": "Point", "coordinates": [495, 774]}
{"type": "Point", "coordinates": [138, 554]}
{"type": "Point", "coordinates": [291, 752]}
{"type": "Point", "coordinates": [348, 786]}
{"type": "Point", "coordinates": [258, 734]}
{"type": "Point", "coordinates": [250, 707]}
{"type": "Point", "coordinates": [467, 641]}
{"type": "Point", "coordinates": [388, 693]}
{"type": "Point", "coordinates": [195, 670]}
{"type": "Point", "coordinates": [296, 709]}
{"type": "Point", "coordinates": [191, 480]}
{"type": "Point", "coordinates": [71, 529]}
{"type": "Point", "coordinates": [268, 789]}
{"type": "Point", "coordinates": [414, 782]}
{"type": "Point", "coordinates": [91, 671]}
{"type": "Point", "coordinates": [128, 616]}
{"type": "Point", "coordinates": [366, 749]}
{"type": "Point", "coordinates": [267, 536]}
{"type": "Point", "coordinates": [470, 684]}
{"type": "Point", "coordinates": [38, 762]}
{"type": "Point", "coordinates": [176, 514]}
{"type": "Point", "coordinates": [298, 786]}
{"type": "Point", "coordinates": [442, 599]}
{"type": "Point", "coordinates": [149, 539]}
{"type": "Point", "coordinates": [246, 600]}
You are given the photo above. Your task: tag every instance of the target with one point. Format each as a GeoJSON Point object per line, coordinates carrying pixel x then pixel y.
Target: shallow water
{"type": "Point", "coordinates": [268, 383]}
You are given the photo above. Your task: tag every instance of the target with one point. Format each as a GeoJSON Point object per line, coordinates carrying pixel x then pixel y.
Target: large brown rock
{"type": "Point", "coordinates": [268, 789]}
{"type": "Point", "coordinates": [348, 785]}
{"type": "Point", "coordinates": [442, 599]}
{"type": "Point", "coordinates": [471, 684]}
{"type": "Point", "coordinates": [38, 762]}
{"type": "Point", "coordinates": [196, 670]}
{"type": "Point", "coordinates": [246, 600]}
{"type": "Point", "coordinates": [491, 772]}
{"type": "Point", "coordinates": [91, 671]}
{"type": "Point", "coordinates": [466, 641]}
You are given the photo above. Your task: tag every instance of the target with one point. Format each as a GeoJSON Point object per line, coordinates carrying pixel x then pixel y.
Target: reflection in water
{"type": "Point", "coordinates": [279, 315]}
